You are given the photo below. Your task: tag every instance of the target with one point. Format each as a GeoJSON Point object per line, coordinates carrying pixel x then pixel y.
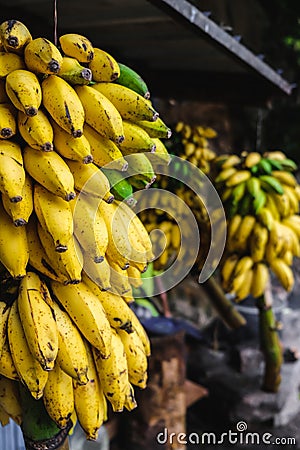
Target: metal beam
{"type": "Point", "coordinates": [183, 10]}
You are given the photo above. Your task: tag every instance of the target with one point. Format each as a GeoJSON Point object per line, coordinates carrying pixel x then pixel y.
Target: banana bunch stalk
{"type": "Point", "coordinates": [261, 200]}
{"type": "Point", "coordinates": [73, 121]}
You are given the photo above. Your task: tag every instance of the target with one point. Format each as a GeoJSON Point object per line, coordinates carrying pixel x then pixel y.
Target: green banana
{"type": "Point", "coordinates": [288, 164]}
{"type": "Point", "coordinates": [120, 186]}
{"type": "Point", "coordinates": [259, 201]}
{"type": "Point", "coordinates": [131, 79]}
{"type": "Point", "coordinates": [271, 184]}
{"type": "Point", "coordinates": [265, 166]}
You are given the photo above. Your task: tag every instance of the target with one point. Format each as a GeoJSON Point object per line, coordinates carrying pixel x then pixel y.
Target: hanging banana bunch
{"type": "Point", "coordinates": [70, 249]}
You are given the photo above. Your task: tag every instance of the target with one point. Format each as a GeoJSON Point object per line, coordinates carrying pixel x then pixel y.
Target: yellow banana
{"type": "Point", "coordinates": [4, 312]}
{"type": "Point", "coordinates": [89, 401]}
{"type": "Point", "coordinates": [227, 270]}
{"type": "Point", "coordinates": [58, 396]}
{"type": "Point", "coordinates": [259, 280]}
{"type": "Point", "coordinates": [243, 232]}
{"type": "Point", "coordinates": [36, 131]}
{"type": "Point", "coordinates": [10, 62]}
{"type": "Point", "coordinates": [161, 154]}
{"type": "Point", "coordinates": [283, 272]}
{"type": "Point", "coordinates": [4, 417]}
{"type": "Point", "coordinates": [55, 216]}
{"type": "Point", "coordinates": [42, 56]}
{"type": "Point", "coordinates": [276, 154]}
{"type": "Point", "coordinates": [136, 139]}
{"type": "Point", "coordinates": [287, 257]}
{"type": "Point", "coordinates": [225, 174]}
{"type": "Point", "coordinates": [293, 222]}
{"type": "Point", "coordinates": [265, 216]}
{"type": "Point", "coordinates": [237, 178]}
{"type": "Point", "coordinates": [7, 120]}
{"type": "Point", "coordinates": [130, 402]}
{"type": "Point", "coordinates": [104, 151]}
{"type": "Point", "coordinates": [113, 373]}
{"type": "Point", "coordinates": [271, 204]}
{"type": "Point", "coordinates": [37, 255]}
{"type": "Point", "coordinates": [140, 330]}
{"type": "Point", "coordinates": [100, 113]}
{"type": "Point", "coordinates": [99, 273]}
{"type": "Point", "coordinates": [88, 314]}
{"type": "Point", "coordinates": [258, 241]}
{"type": "Point", "coordinates": [244, 264]}
{"type": "Point", "coordinates": [90, 180]}
{"type": "Point", "coordinates": [10, 399]}
{"type": "Point", "coordinates": [277, 241]}
{"type": "Point", "coordinates": [12, 173]}
{"type": "Point", "coordinates": [157, 129]}
{"type": "Point", "coordinates": [77, 46]}
{"type": "Point", "coordinates": [119, 279]}
{"type": "Point", "coordinates": [66, 265]}
{"type": "Point", "coordinates": [14, 36]}
{"type": "Point", "coordinates": [73, 72]}
{"type": "Point", "coordinates": [134, 276]}
{"type": "Point", "coordinates": [104, 66]}
{"type": "Point", "coordinates": [29, 369]}
{"type": "Point", "coordinates": [252, 159]}
{"type": "Point", "coordinates": [37, 320]}
{"type": "Point", "coordinates": [24, 91]}
{"type": "Point", "coordinates": [69, 147]}
{"type": "Point", "coordinates": [13, 241]}
{"type": "Point", "coordinates": [63, 105]}
{"type": "Point", "coordinates": [285, 177]}
{"type": "Point", "coordinates": [244, 289]}
{"type": "Point", "coordinates": [90, 229]}
{"type": "Point", "coordinates": [71, 356]}
{"type": "Point", "coordinates": [131, 105]}
{"type": "Point", "coordinates": [233, 226]}
{"type": "Point", "coordinates": [293, 199]}
{"type": "Point", "coordinates": [50, 171]}
{"type": "Point", "coordinates": [117, 311]}
{"type": "Point", "coordinates": [7, 367]}
{"type": "Point", "coordinates": [136, 358]}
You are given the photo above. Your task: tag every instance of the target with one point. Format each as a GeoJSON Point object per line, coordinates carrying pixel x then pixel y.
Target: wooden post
{"type": "Point", "coordinates": [162, 405]}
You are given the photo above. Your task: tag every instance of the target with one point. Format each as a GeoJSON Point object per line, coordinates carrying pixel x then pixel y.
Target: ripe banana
{"type": "Point", "coordinates": [69, 147]}
{"type": "Point", "coordinates": [10, 399]}
{"type": "Point", "coordinates": [100, 113]}
{"type": "Point", "coordinates": [4, 312]}
{"type": "Point", "coordinates": [136, 139]}
{"type": "Point", "coordinates": [10, 62]}
{"type": "Point", "coordinates": [161, 155]}
{"type": "Point", "coordinates": [7, 367]}
{"type": "Point", "coordinates": [13, 241]}
{"type": "Point", "coordinates": [285, 177]}
{"type": "Point", "coordinates": [89, 400]}
{"type": "Point", "coordinates": [66, 265]}
{"type": "Point", "coordinates": [243, 290]}
{"type": "Point", "coordinates": [7, 120]}
{"type": "Point", "coordinates": [99, 273]}
{"type": "Point", "coordinates": [117, 311]}
{"type": "Point", "coordinates": [29, 369]}
{"type": "Point", "coordinates": [283, 272]}
{"type": "Point", "coordinates": [104, 67]}
{"type": "Point", "coordinates": [36, 131]}
{"type": "Point", "coordinates": [258, 242]}
{"type": "Point", "coordinates": [238, 177]}
{"type": "Point", "coordinates": [71, 357]}
{"type": "Point", "coordinates": [24, 90]}
{"type": "Point", "coordinates": [37, 255]}
{"type": "Point", "coordinates": [14, 36]}
{"type": "Point", "coordinates": [50, 171]}
{"type": "Point", "coordinates": [243, 232]}
{"type": "Point", "coordinates": [42, 56]}
{"type": "Point", "coordinates": [20, 211]}
{"type": "Point", "coordinates": [89, 179]}
{"type": "Point", "coordinates": [63, 104]}
{"type": "Point", "coordinates": [88, 314]}
{"type": "Point", "coordinates": [73, 72]}
{"type": "Point", "coordinates": [131, 105]}
{"type": "Point", "coordinates": [140, 330]}
{"type": "Point", "coordinates": [104, 151]}
{"type": "Point", "coordinates": [77, 46]}
{"type": "Point", "coordinates": [12, 173]}
{"type": "Point", "coordinates": [58, 396]}
{"type": "Point", "coordinates": [132, 80]}
{"type": "Point", "coordinates": [90, 229]}
{"type": "Point", "coordinates": [136, 358]}
{"type": "Point", "coordinates": [113, 373]}
{"type": "Point", "coordinates": [55, 216]}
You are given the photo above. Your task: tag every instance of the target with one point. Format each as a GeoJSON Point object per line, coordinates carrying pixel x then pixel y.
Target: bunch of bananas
{"type": "Point", "coordinates": [261, 199]}
{"type": "Point", "coordinates": [70, 249]}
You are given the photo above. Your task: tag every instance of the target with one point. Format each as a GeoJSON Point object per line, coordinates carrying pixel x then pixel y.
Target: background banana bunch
{"type": "Point", "coordinates": [261, 199]}
{"type": "Point", "coordinates": [70, 249]}
{"type": "Point", "coordinates": [190, 143]}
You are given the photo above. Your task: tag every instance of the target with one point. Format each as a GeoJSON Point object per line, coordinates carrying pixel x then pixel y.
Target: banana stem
{"type": "Point", "coordinates": [224, 307]}
{"type": "Point", "coordinates": [270, 345]}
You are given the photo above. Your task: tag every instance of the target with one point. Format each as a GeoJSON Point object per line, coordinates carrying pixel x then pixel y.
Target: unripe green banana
{"type": "Point", "coordinates": [120, 186]}
{"type": "Point", "coordinates": [132, 80]}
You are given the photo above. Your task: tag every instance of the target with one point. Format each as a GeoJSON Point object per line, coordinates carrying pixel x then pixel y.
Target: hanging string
{"type": "Point", "coordinates": [55, 22]}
